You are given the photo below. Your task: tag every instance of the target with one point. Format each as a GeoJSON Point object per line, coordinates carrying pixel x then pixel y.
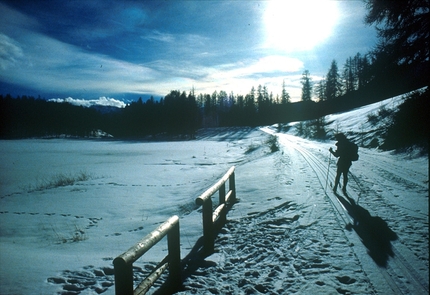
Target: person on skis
{"type": "Point", "coordinates": [342, 152]}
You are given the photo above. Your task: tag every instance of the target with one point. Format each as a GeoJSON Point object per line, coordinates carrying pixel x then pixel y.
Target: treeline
{"type": "Point", "coordinates": [26, 116]}
{"type": "Point", "coordinates": [180, 114]}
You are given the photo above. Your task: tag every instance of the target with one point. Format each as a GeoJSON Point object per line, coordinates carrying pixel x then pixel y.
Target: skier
{"type": "Point", "coordinates": [345, 154]}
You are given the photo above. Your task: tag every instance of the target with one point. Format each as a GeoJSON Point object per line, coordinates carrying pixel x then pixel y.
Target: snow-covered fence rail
{"type": "Point", "coordinates": [219, 215]}
{"type": "Point", "coordinates": [123, 264]}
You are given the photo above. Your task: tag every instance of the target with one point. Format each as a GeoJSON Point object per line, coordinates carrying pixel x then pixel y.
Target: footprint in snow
{"type": "Point", "coordinates": [346, 280]}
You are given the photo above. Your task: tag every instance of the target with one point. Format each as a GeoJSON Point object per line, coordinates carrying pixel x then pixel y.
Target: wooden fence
{"type": "Point", "coordinates": [209, 217]}
{"type": "Point", "coordinates": [123, 264]}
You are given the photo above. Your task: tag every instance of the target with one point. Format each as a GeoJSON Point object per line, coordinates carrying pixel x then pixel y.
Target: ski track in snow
{"type": "Point", "coordinates": [297, 247]}
{"type": "Point", "coordinates": [291, 249]}
{"type": "Point", "coordinates": [374, 230]}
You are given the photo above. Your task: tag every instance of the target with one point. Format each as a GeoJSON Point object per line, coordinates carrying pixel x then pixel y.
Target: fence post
{"type": "Point", "coordinates": [208, 231]}
{"type": "Point", "coordinates": [232, 187]}
{"type": "Point", "coordinates": [173, 244]}
{"type": "Point", "coordinates": [222, 217]}
{"type": "Point", "coordinates": [123, 277]}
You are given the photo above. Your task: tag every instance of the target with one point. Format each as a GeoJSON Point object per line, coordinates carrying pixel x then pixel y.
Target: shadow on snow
{"type": "Point", "coordinates": [372, 230]}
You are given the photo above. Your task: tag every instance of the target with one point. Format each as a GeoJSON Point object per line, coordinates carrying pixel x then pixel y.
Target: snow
{"type": "Point", "coordinates": [288, 234]}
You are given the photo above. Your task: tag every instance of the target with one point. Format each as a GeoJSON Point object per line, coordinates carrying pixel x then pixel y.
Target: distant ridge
{"type": "Point", "coordinates": [105, 109]}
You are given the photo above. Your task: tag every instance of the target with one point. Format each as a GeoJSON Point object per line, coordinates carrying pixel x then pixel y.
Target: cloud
{"type": "Point", "coordinates": [38, 61]}
{"type": "Point", "coordinates": [101, 101]}
{"type": "Point", "coordinates": [12, 19]}
{"type": "Point", "coordinates": [243, 75]}
{"type": "Point", "coordinates": [10, 52]}
{"type": "Point", "coordinates": [34, 60]}
{"type": "Point", "coordinates": [238, 76]}
{"type": "Point", "coordinates": [269, 65]}
{"type": "Point", "coordinates": [160, 37]}
{"type": "Point", "coordinates": [49, 64]}
{"type": "Point", "coordinates": [264, 67]}
{"type": "Point", "coordinates": [95, 48]}
{"type": "Point", "coordinates": [183, 43]}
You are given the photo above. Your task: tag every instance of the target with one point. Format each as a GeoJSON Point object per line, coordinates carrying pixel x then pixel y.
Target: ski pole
{"type": "Point", "coordinates": [328, 169]}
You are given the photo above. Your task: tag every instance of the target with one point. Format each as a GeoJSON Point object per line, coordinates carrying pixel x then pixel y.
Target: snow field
{"type": "Point", "coordinates": [288, 234]}
{"type": "Point", "coordinates": [70, 230]}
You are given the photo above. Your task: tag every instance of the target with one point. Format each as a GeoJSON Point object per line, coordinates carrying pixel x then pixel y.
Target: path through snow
{"type": "Point", "coordinates": [298, 246]}
{"type": "Point", "coordinates": [316, 242]}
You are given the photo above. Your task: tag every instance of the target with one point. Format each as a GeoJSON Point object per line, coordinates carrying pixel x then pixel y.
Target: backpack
{"type": "Point", "coordinates": [353, 151]}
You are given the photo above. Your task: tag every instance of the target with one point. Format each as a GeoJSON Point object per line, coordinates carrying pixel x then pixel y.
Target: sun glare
{"type": "Point", "coordinates": [294, 25]}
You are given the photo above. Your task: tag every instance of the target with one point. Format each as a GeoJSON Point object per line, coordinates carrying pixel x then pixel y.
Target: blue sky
{"type": "Point", "coordinates": [126, 49]}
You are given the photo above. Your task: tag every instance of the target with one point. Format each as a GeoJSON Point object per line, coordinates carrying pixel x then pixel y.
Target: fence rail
{"type": "Point", "coordinates": [209, 217]}
{"type": "Point", "coordinates": [123, 264]}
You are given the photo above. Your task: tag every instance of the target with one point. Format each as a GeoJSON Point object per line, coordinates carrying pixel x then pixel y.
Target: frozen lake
{"type": "Point", "coordinates": [128, 189]}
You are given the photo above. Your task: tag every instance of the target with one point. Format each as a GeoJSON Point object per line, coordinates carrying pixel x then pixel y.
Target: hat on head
{"type": "Point", "coordinates": [340, 136]}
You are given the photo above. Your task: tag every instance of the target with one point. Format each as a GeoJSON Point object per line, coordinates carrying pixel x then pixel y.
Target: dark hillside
{"type": "Point", "coordinates": [411, 125]}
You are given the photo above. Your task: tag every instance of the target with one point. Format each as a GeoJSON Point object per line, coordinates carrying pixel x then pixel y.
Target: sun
{"type": "Point", "coordinates": [296, 25]}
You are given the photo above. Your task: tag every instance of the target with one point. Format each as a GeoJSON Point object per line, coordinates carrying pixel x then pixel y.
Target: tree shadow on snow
{"type": "Point", "coordinates": [372, 230]}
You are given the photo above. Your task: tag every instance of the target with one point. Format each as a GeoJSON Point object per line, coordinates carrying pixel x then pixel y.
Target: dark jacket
{"type": "Point", "coordinates": [342, 152]}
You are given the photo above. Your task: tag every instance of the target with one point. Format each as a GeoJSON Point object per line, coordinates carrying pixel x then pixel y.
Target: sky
{"type": "Point", "coordinates": [119, 51]}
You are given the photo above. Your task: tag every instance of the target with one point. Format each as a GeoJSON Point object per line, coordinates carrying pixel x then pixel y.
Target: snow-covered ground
{"type": "Point", "coordinates": [288, 234]}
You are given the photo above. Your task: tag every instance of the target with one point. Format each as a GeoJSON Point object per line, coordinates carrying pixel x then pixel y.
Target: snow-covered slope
{"type": "Point", "coordinates": [287, 234]}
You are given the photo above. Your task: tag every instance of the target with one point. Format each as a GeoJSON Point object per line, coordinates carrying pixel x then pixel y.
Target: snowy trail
{"type": "Point", "coordinates": [312, 241]}
{"type": "Point", "coordinates": [396, 171]}
{"type": "Point", "coordinates": [299, 245]}
{"type": "Point", "coordinates": [410, 269]}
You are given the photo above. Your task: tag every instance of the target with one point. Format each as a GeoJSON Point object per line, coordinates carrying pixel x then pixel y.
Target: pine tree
{"type": "Point", "coordinates": [403, 28]}
{"type": "Point", "coordinates": [333, 85]}
{"type": "Point", "coordinates": [260, 96]}
{"type": "Point", "coordinates": [307, 86]}
{"type": "Point", "coordinates": [250, 99]}
{"type": "Point", "coordinates": [320, 89]}
{"type": "Point", "coordinates": [363, 70]}
{"type": "Point", "coordinates": [349, 75]}
{"type": "Point", "coordinates": [355, 73]}
{"type": "Point", "coordinates": [285, 98]}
